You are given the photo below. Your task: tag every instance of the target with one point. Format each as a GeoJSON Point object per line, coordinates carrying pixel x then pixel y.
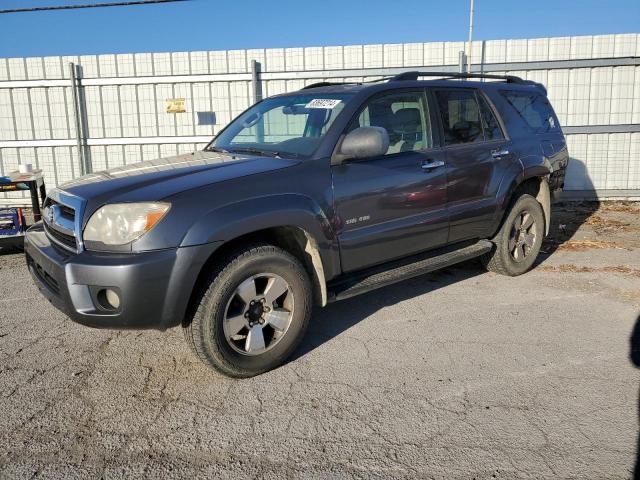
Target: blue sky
{"type": "Point", "coordinates": [223, 24]}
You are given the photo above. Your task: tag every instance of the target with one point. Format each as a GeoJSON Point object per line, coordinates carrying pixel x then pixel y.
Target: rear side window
{"type": "Point", "coordinates": [460, 115]}
{"type": "Point", "coordinates": [492, 130]}
{"type": "Point", "coordinates": [534, 109]}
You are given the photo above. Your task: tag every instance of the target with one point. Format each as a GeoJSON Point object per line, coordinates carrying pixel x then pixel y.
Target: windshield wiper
{"type": "Point", "coordinates": [256, 151]}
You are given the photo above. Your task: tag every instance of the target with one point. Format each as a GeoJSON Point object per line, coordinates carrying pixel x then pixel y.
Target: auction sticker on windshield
{"type": "Point", "coordinates": [322, 103]}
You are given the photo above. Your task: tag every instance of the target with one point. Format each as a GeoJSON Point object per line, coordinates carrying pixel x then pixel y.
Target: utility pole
{"type": "Point", "coordinates": [470, 38]}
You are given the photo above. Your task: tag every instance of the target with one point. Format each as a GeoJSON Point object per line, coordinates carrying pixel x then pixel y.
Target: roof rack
{"type": "Point", "coordinates": [415, 75]}
{"type": "Point", "coordinates": [328, 84]}
{"type": "Point", "coordinates": [331, 84]}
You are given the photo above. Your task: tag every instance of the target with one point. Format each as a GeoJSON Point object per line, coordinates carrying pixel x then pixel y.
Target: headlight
{"type": "Point", "coordinates": [122, 223]}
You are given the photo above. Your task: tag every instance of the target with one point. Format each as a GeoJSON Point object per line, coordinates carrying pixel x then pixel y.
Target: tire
{"type": "Point", "coordinates": [242, 288]}
{"type": "Point", "coordinates": [515, 249]}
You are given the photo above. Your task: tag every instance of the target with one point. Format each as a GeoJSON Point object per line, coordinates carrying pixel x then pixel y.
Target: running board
{"type": "Point", "coordinates": [395, 272]}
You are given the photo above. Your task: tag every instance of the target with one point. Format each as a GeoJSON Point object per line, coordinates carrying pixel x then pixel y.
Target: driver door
{"type": "Point", "coordinates": [393, 205]}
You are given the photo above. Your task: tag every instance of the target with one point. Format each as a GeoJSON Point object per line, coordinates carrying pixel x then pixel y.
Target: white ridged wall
{"type": "Point", "coordinates": [581, 97]}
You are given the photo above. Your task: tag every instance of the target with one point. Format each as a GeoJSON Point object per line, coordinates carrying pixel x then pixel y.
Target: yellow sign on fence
{"type": "Point", "coordinates": [176, 105]}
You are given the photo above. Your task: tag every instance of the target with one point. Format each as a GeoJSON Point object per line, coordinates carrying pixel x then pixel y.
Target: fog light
{"type": "Point", "coordinates": [109, 299]}
{"type": "Point", "coordinates": [112, 298]}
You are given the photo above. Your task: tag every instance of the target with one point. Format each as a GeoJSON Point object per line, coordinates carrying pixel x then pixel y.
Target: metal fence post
{"type": "Point", "coordinates": [461, 61]}
{"type": "Point", "coordinates": [78, 113]}
{"type": "Point", "coordinates": [256, 83]}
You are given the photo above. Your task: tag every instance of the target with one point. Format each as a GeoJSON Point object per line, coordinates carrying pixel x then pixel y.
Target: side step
{"type": "Point", "coordinates": [393, 272]}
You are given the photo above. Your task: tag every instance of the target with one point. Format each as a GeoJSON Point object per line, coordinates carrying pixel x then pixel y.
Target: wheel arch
{"type": "Point", "coordinates": [536, 184]}
{"type": "Point", "coordinates": [292, 222]}
{"type": "Point", "coordinates": [293, 239]}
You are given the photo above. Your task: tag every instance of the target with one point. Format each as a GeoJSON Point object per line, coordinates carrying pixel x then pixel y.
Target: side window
{"type": "Point", "coordinates": [404, 115]}
{"type": "Point", "coordinates": [460, 115]}
{"type": "Point", "coordinates": [534, 109]}
{"type": "Point", "coordinates": [492, 130]}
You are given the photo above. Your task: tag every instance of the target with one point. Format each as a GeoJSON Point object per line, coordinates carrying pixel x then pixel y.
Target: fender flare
{"type": "Point", "coordinates": [530, 167]}
{"type": "Point", "coordinates": [539, 167]}
{"type": "Point", "coordinates": [544, 199]}
{"type": "Point", "coordinates": [231, 221]}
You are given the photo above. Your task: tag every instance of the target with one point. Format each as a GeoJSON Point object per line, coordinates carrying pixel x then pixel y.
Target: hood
{"type": "Point", "coordinates": [161, 178]}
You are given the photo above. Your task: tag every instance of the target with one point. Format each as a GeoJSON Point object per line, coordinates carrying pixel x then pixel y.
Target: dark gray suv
{"type": "Point", "coordinates": [305, 198]}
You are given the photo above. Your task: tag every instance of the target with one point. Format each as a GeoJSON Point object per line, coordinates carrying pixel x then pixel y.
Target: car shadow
{"type": "Point", "coordinates": [566, 218]}
{"type": "Point", "coordinates": [634, 356]}
{"type": "Point", "coordinates": [335, 318]}
{"type": "Point", "coordinates": [12, 249]}
{"type": "Point", "coordinates": [569, 214]}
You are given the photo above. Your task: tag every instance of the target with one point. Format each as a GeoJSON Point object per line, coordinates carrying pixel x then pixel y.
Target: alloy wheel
{"type": "Point", "coordinates": [523, 236]}
{"type": "Point", "coordinates": [258, 314]}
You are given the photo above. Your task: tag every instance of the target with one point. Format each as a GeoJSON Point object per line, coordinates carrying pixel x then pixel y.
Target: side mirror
{"type": "Point", "coordinates": [363, 142]}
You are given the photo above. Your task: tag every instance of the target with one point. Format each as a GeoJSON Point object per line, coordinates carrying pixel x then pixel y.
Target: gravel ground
{"type": "Point", "coordinates": [459, 374]}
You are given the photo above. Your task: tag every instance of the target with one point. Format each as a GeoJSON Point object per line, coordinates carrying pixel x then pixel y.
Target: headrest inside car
{"type": "Point", "coordinates": [407, 120]}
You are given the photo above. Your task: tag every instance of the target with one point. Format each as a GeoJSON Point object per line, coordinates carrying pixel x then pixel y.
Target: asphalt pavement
{"type": "Point", "coordinates": [456, 374]}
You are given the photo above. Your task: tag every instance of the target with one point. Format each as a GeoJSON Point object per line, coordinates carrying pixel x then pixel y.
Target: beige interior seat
{"type": "Point", "coordinates": [406, 131]}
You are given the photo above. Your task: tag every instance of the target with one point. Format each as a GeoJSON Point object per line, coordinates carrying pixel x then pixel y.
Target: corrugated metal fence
{"type": "Point", "coordinates": [109, 110]}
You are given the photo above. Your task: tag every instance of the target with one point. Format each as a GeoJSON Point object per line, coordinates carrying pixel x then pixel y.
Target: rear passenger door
{"type": "Point", "coordinates": [476, 154]}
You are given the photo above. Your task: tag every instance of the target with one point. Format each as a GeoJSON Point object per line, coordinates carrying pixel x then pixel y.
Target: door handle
{"type": "Point", "coordinates": [503, 152]}
{"type": "Point", "coordinates": [431, 164]}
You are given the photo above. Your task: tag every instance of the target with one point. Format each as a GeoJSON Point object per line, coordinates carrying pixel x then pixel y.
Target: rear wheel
{"type": "Point", "coordinates": [518, 242]}
{"type": "Point", "coordinates": [252, 313]}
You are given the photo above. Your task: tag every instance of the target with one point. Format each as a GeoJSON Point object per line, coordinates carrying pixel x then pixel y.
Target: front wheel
{"type": "Point", "coordinates": [253, 312]}
{"type": "Point", "coordinates": [518, 241]}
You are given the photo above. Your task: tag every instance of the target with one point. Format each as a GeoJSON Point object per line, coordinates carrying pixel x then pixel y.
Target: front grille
{"type": "Point", "coordinates": [66, 240]}
{"type": "Point", "coordinates": [66, 211]}
{"type": "Point", "coordinates": [42, 275]}
{"type": "Point", "coordinates": [66, 216]}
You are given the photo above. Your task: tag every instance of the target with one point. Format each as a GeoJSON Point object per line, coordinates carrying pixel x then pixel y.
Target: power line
{"type": "Point", "coordinates": [87, 5]}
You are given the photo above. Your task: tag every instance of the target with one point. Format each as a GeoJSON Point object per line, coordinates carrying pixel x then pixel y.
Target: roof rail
{"type": "Point", "coordinates": [328, 84]}
{"type": "Point", "coordinates": [415, 75]}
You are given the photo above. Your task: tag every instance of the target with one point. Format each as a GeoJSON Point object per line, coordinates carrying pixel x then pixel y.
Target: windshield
{"type": "Point", "coordinates": [289, 126]}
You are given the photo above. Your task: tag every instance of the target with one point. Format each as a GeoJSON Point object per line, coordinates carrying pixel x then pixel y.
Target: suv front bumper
{"type": "Point", "coordinates": [154, 287]}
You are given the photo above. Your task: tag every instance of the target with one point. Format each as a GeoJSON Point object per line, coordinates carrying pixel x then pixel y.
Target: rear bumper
{"type": "Point", "coordinates": [154, 287]}
{"type": "Point", "coordinates": [558, 170]}
{"type": "Point", "coordinates": [556, 182]}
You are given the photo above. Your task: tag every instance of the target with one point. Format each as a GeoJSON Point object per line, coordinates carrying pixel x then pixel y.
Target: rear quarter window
{"type": "Point", "coordinates": [534, 109]}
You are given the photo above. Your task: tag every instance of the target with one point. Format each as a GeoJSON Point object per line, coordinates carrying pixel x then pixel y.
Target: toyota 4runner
{"type": "Point", "coordinates": [305, 198]}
